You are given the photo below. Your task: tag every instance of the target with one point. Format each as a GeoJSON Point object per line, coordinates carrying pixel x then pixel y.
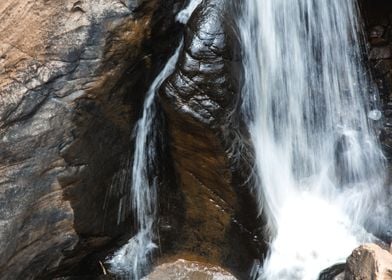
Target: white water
{"type": "Point", "coordinates": [306, 100]}
{"type": "Point", "coordinates": [133, 260]}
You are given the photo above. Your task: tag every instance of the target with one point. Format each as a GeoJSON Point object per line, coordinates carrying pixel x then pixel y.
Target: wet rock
{"type": "Point", "coordinates": [218, 223]}
{"type": "Point", "coordinates": [369, 262]}
{"type": "Point", "coordinates": [335, 272]}
{"type": "Point", "coordinates": [377, 31]}
{"type": "Point", "coordinates": [377, 17]}
{"type": "Point", "coordinates": [376, 36]}
{"type": "Point", "coordinates": [187, 270]}
{"type": "Point", "coordinates": [383, 67]}
{"type": "Point", "coordinates": [380, 53]}
{"type": "Point", "coordinates": [72, 79]}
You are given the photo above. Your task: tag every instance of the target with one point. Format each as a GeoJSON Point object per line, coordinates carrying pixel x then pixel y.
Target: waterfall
{"type": "Point", "coordinates": [132, 261]}
{"type": "Point", "coordinates": [310, 103]}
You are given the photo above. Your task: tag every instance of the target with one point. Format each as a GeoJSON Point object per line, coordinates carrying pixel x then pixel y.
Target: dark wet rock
{"type": "Point", "coordinates": [335, 272]}
{"type": "Point", "coordinates": [70, 91]}
{"type": "Point", "coordinates": [378, 19]}
{"type": "Point", "coordinates": [377, 31]}
{"type": "Point", "coordinates": [381, 53]}
{"type": "Point", "coordinates": [376, 36]}
{"type": "Point", "coordinates": [200, 101]}
{"type": "Point", "coordinates": [72, 79]}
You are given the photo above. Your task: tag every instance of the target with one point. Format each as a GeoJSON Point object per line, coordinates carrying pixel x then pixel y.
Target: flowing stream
{"type": "Point", "coordinates": [133, 260]}
{"type": "Point", "coordinates": [309, 103]}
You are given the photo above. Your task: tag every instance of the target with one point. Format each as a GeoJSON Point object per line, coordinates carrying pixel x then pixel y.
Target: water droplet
{"type": "Point", "coordinates": [375, 115]}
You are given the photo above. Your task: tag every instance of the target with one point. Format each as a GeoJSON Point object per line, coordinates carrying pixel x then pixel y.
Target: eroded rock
{"type": "Point", "coordinates": [218, 222]}
{"type": "Point", "coordinates": [71, 88]}
{"type": "Point", "coordinates": [72, 79]}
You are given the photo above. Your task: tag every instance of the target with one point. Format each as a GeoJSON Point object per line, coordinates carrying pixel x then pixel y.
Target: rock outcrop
{"type": "Point", "coordinates": [73, 75]}
{"type": "Point", "coordinates": [369, 262]}
{"type": "Point", "coordinates": [201, 104]}
{"type": "Point", "coordinates": [72, 79]}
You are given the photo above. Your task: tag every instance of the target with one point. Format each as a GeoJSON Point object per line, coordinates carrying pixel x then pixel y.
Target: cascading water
{"type": "Point", "coordinates": [306, 98]}
{"type": "Point", "coordinates": [133, 259]}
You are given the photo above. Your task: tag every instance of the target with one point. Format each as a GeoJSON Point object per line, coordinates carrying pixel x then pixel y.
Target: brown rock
{"type": "Point", "coordinates": [377, 36]}
{"type": "Point", "coordinates": [377, 31]}
{"type": "Point", "coordinates": [217, 223]}
{"type": "Point", "coordinates": [369, 262]}
{"type": "Point", "coordinates": [72, 79]}
{"type": "Point", "coordinates": [377, 53]}
{"type": "Point", "coordinates": [187, 270]}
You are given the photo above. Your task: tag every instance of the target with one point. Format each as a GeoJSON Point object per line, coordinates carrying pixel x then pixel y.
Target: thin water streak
{"type": "Point", "coordinates": [133, 260]}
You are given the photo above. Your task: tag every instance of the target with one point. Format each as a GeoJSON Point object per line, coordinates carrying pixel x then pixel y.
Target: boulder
{"type": "Point", "coordinates": [369, 262]}
{"type": "Point", "coordinates": [188, 270]}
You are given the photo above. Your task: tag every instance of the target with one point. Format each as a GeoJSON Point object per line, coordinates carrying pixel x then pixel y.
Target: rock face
{"type": "Point", "coordinates": [378, 26]}
{"type": "Point", "coordinates": [200, 101]}
{"type": "Point", "coordinates": [185, 270]}
{"type": "Point", "coordinates": [369, 262]}
{"type": "Point", "coordinates": [72, 79]}
{"type": "Point", "coordinates": [73, 75]}
{"type": "Point", "coordinates": [378, 18]}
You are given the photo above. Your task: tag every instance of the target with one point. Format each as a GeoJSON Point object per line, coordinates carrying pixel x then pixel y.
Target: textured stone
{"type": "Point", "coordinates": [380, 53]}
{"type": "Point", "coordinates": [200, 101]}
{"type": "Point", "coordinates": [72, 79]}
{"type": "Point", "coordinates": [369, 262]}
{"type": "Point", "coordinates": [71, 88]}
{"type": "Point", "coordinates": [187, 270]}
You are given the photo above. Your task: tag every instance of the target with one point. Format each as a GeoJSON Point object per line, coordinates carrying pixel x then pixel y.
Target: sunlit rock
{"type": "Point", "coordinates": [72, 78]}
{"type": "Point", "coordinates": [188, 270]}
{"type": "Point", "coordinates": [369, 262]}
